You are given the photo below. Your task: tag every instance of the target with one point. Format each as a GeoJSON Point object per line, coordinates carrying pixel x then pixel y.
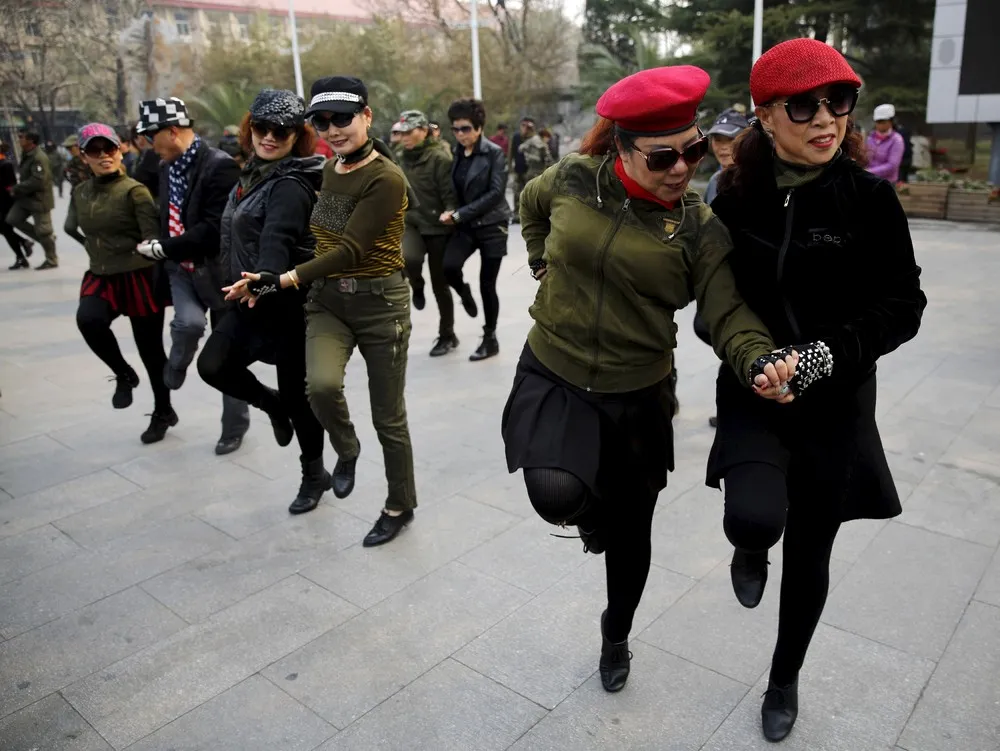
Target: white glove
{"type": "Point", "coordinates": [151, 249]}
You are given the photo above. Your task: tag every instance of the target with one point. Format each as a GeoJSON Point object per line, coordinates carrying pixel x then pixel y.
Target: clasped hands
{"type": "Point", "coordinates": [770, 374]}
{"type": "Point", "coordinates": [253, 286]}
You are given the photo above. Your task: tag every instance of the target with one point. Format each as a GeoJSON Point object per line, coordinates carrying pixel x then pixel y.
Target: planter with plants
{"type": "Point", "coordinates": [973, 201]}
{"type": "Point", "coordinates": [926, 195]}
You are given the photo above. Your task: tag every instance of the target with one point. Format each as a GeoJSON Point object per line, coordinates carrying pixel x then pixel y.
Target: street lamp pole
{"type": "Point", "coordinates": [758, 34]}
{"type": "Point", "coordinates": [295, 48]}
{"type": "Point", "coordinates": [477, 83]}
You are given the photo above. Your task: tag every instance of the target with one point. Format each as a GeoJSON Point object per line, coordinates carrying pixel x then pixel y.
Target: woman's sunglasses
{"type": "Point", "coordinates": [280, 132]}
{"type": "Point", "coordinates": [96, 150]}
{"type": "Point", "coordinates": [802, 108]}
{"type": "Point", "coordinates": [461, 129]}
{"type": "Point", "coordinates": [665, 157]}
{"type": "Point", "coordinates": [322, 123]}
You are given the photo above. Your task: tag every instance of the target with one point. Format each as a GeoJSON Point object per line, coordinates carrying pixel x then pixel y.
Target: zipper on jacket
{"type": "Point", "coordinates": [602, 255]}
{"type": "Point", "coordinates": [786, 241]}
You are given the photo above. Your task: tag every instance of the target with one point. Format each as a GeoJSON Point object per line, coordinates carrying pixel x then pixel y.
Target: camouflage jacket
{"type": "Point", "coordinates": [76, 171]}
{"type": "Point", "coordinates": [537, 156]}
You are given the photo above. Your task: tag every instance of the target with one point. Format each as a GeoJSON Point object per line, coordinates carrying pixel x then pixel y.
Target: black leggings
{"type": "Point", "coordinates": [757, 511]}
{"type": "Point", "coordinates": [626, 533]}
{"type": "Point", "coordinates": [94, 316]}
{"type": "Point", "coordinates": [276, 332]}
{"type": "Point", "coordinates": [492, 244]}
{"type": "Point", "coordinates": [14, 240]}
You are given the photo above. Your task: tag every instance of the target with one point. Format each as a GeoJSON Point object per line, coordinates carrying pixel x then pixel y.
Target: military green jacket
{"type": "Point", "coordinates": [537, 156]}
{"type": "Point", "coordinates": [428, 169]}
{"type": "Point", "coordinates": [34, 191]}
{"type": "Point", "coordinates": [115, 213]}
{"type": "Point", "coordinates": [76, 171]}
{"type": "Point", "coordinates": [617, 270]}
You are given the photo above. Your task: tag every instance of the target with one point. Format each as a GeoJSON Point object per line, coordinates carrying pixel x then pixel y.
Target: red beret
{"type": "Point", "coordinates": [657, 101]}
{"type": "Point", "coordinates": [797, 66]}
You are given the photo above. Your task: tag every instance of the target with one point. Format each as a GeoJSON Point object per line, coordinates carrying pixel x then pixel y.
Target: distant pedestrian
{"type": "Point", "coordinates": [531, 159]}
{"type": "Point", "coordinates": [75, 170]}
{"type": "Point", "coordinates": [21, 246]}
{"type": "Point", "coordinates": [886, 146]}
{"type": "Point", "coordinates": [147, 166]}
{"type": "Point", "coordinates": [721, 135]}
{"type": "Point", "coordinates": [57, 164]}
{"type": "Point", "coordinates": [501, 139]}
{"type": "Point", "coordinates": [34, 199]}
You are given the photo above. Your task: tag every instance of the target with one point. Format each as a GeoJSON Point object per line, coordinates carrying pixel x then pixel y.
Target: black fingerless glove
{"type": "Point", "coordinates": [267, 284]}
{"type": "Point", "coordinates": [815, 363]}
{"type": "Point", "coordinates": [757, 368]}
{"type": "Point", "coordinates": [535, 267]}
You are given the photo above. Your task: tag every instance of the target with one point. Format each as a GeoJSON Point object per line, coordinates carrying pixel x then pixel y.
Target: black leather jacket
{"type": "Point", "coordinates": [485, 189]}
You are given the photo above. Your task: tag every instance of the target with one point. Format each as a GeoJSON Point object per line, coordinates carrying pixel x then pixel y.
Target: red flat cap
{"type": "Point", "coordinates": [657, 101]}
{"type": "Point", "coordinates": [798, 66]}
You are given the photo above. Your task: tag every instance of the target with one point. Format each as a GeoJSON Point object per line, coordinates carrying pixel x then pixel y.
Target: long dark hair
{"type": "Point", "coordinates": [753, 157]}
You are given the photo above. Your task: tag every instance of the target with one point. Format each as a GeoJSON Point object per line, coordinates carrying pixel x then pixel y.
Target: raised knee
{"type": "Point", "coordinates": [323, 387]}
{"type": "Point", "coordinates": [87, 323]}
{"type": "Point", "coordinates": [209, 367]}
{"type": "Point", "coordinates": [558, 496]}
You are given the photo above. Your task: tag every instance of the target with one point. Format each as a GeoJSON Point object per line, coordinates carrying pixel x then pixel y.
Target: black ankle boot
{"type": "Point", "coordinates": [342, 482]}
{"type": "Point", "coordinates": [488, 347]}
{"type": "Point", "coordinates": [615, 661]}
{"type": "Point", "coordinates": [748, 572]}
{"type": "Point", "coordinates": [779, 710]}
{"type": "Point", "coordinates": [315, 481]}
{"type": "Point", "coordinates": [124, 383]}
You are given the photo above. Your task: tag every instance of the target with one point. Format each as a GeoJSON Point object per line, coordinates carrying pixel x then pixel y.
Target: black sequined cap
{"type": "Point", "coordinates": [278, 106]}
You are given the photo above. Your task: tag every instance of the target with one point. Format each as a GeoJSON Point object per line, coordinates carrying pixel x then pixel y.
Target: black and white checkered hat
{"type": "Point", "coordinates": [155, 114]}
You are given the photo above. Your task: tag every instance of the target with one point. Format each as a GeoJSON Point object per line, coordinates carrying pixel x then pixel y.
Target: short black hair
{"type": "Point", "coordinates": [468, 109]}
{"type": "Point", "coordinates": [31, 136]}
{"type": "Point", "coordinates": [502, 126]}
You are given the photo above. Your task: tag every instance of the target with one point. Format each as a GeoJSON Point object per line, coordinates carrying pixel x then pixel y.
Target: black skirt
{"type": "Point", "coordinates": [827, 443]}
{"type": "Point", "coordinates": [599, 438]}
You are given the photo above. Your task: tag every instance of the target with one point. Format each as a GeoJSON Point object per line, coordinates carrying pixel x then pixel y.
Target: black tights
{"type": "Point", "coordinates": [757, 511]}
{"type": "Point", "coordinates": [94, 316]}
{"type": "Point", "coordinates": [559, 496]}
{"type": "Point", "coordinates": [492, 244]}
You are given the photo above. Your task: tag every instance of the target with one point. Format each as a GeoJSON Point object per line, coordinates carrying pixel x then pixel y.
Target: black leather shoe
{"type": "Point", "coordinates": [124, 383]}
{"type": "Point", "coordinates": [158, 424]}
{"type": "Point", "coordinates": [386, 528]}
{"type": "Point", "coordinates": [419, 301]}
{"type": "Point", "coordinates": [228, 445]}
{"type": "Point", "coordinates": [444, 345]}
{"type": "Point", "coordinates": [488, 347]}
{"type": "Point", "coordinates": [45, 265]}
{"type": "Point", "coordinates": [748, 572]}
{"type": "Point", "coordinates": [315, 481]}
{"type": "Point", "coordinates": [342, 482]}
{"type": "Point", "coordinates": [468, 301]}
{"type": "Point", "coordinates": [20, 263]}
{"type": "Point", "coordinates": [615, 662]}
{"type": "Point", "coordinates": [779, 710]}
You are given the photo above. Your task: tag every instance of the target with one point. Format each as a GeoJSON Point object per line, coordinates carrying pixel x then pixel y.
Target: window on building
{"type": "Point", "coordinates": [33, 29]}
{"type": "Point", "coordinates": [36, 58]}
{"type": "Point", "coordinates": [183, 22]}
{"type": "Point", "coordinates": [244, 23]}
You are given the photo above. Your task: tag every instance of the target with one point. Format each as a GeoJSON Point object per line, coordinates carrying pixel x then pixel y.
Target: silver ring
{"type": "Point", "coordinates": [784, 389]}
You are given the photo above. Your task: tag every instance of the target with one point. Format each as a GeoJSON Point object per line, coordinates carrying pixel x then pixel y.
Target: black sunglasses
{"type": "Point", "coordinates": [663, 158]}
{"type": "Point", "coordinates": [95, 149]}
{"type": "Point", "coordinates": [802, 108]}
{"type": "Point", "coordinates": [462, 129]}
{"type": "Point", "coordinates": [280, 132]}
{"type": "Point", "coordinates": [323, 122]}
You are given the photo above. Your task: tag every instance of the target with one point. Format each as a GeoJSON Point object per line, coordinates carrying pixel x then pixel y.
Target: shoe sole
{"type": "Point", "coordinates": [366, 544]}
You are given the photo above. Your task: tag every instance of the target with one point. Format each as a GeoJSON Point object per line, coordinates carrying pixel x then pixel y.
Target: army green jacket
{"type": "Point", "coordinates": [604, 310]}
{"type": "Point", "coordinates": [428, 169]}
{"type": "Point", "coordinates": [34, 189]}
{"type": "Point", "coordinates": [115, 213]}
{"type": "Point", "coordinates": [537, 156]}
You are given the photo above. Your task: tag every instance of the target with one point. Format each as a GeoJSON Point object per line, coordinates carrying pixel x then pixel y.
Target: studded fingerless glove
{"type": "Point", "coordinates": [267, 284]}
{"type": "Point", "coordinates": [535, 267]}
{"type": "Point", "coordinates": [815, 363]}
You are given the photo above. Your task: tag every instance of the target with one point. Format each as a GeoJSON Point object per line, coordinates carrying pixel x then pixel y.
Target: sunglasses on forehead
{"type": "Point", "coordinates": [663, 158]}
{"type": "Point", "coordinates": [280, 132]}
{"type": "Point", "coordinates": [322, 121]}
{"type": "Point", "coordinates": [802, 108]}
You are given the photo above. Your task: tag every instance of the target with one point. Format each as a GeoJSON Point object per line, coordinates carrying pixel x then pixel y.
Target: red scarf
{"type": "Point", "coordinates": [634, 190]}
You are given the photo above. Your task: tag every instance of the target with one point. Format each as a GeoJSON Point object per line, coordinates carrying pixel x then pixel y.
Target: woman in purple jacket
{"type": "Point", "coordinates": [885, 145]}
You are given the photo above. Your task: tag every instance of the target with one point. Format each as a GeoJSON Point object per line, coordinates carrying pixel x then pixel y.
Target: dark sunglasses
{"type": "Point", "coordinates": [322, 123]}
{"type": "Point", "coordinates": [802, 108]}
{"type": "Point", "coordinates": [99, 150]}
{"type": "Point", "coordinates": [280, 132]}
{"type": "Point", "coordinates": [663, 158]}
{"type": "Point", "coordinates": [461, 129]}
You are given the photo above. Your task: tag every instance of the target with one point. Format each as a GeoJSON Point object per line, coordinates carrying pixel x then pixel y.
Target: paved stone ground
{"type": "Point", "coordinates": [158, 598]}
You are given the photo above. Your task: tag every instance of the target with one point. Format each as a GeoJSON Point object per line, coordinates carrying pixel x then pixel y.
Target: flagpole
{"type": "Point", "coordinates": [477, 83]}
{"type": "Point", "coordinates": [295, 48]}
{"type": "Point", "coordinates": [758, 35]}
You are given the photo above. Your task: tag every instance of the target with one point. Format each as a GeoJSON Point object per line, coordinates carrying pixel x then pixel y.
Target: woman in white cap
{"type": "Point", "coordinates": [886, 145]}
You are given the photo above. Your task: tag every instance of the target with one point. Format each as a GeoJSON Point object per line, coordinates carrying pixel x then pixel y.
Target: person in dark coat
{"type": "Point", "coordinates": [823, 255]}
{"type": "Point", "coordinates": [195, 181]}
{"type": "Point", "coordinates": [147, 166]}
{"type": "Point", "coordinates": [265, 228]}
{"type": "Point", "coordinates": [479, 174]}
{"type": "Point", "coordinates": [21, 246]}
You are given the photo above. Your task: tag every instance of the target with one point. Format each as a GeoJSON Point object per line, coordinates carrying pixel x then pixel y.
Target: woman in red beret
{"type": "Point", "coordinates": [823, 256]}
{"type": "Point", "coordinates": [619, 243]}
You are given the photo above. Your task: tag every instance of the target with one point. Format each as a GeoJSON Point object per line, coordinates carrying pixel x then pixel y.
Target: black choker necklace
{"type": "Point", "coordinates": [356, 156]}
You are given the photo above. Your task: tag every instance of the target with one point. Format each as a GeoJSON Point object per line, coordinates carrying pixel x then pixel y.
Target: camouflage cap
{"type": "Point", "coordinates": [73, 140]}
{"type": "Point", "coordinates": [412, 119]}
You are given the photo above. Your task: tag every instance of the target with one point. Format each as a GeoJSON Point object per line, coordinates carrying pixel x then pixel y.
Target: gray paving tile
{"type": "Point", "coordinates": [668, 705]}
{"type": "Point", "coordinates": [908, 589]}
{"type": "Point", "coordinates": [854, 537]}
{"type": "Point", "coordinates": [33, 550]}
{"type": "Point", "coordinates": [439, 533]}
{"type": "Point", "coordinates": [346, 672]}
{"type": "Point", "coordinates": [687, 534]}
{"type": "Point", "coordinates": [958, 709]}
{"type": "Point", "coordinates": [205, 585]}
{"type": "Point", "coordinates": [251, 715]}
{"type": "Point", "coordinates": [38, 463]}
{"type": "Point", "coordinates": [944, 397]}
{"type": "Point", "coordinates": [959, 503]}
{"type": "Point", "coordinates": [132, 698]}
{"type": "Point", "coordinates": [504, 491]}
{"type": "Point", "coordinates": [449, 708]}
{"type": "Point", "coordinates": [989, 587]}
{"type": "Point", "coordinates": [45, 506]}
{"type": "Point", "coordinates": [913, 445]}
{"type": "Point", "coordinates": [853, 694]}
{"type": "Point", "coordinates": [150, 470]}
{"type": "Point", "coordinates": [52, 656]}
{"type": "Point", "coordinates": [546, 649]}
{"type": "Point", "coordinates": [49, 725]}
{"type": "Point", "coordinates": [87, 577]}
{"type": "Point", "coordinates": [979, 440]}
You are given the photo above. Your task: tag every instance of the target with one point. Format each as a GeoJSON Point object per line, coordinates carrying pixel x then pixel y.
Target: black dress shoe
{"type": "Point", "coordinates": [488, 347]}
{"type": "Point", "coordinates": [444, 345]}
{"type": "Point", "coordinates": [615, 662]}
{"type": "Point", "coordinates": [468, 301]}
{"type": "Point", "coordinates": [124, 383]}
{"type": "Point", "coordinates": [158, 424]}
{"type": "Point", "coordinates": [419, 301]}
{"type": "Point", "coordinates": [315, 481]}
{"type": "Point", "coordinates": [342, 479]}
{"type": "Point", "coordinates": [228, 445]}
{"type": "Point", "coordinates": [386, 528]}
{"type": "Point", "coordinates": [45, 265]}
{"type": "Point", "coordinates": [748, 572]}
{"type": "Point", "coordinates": [592, 542]}
{"type": "Point", "coordinates": [20, 263]}
{"type": "Point", "coordinates": [779, 710]}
